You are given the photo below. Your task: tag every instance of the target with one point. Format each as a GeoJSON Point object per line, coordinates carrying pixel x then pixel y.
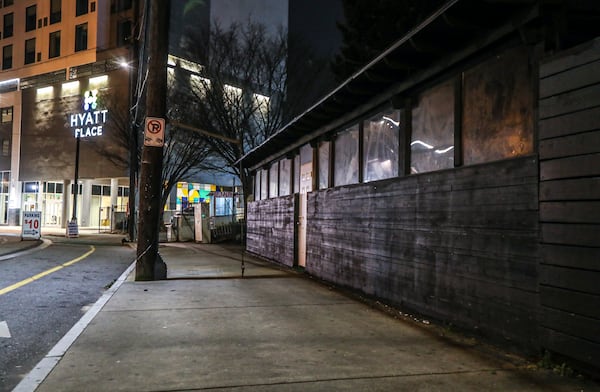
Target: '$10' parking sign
{"type": "Point", "coordinates": [31, 225]}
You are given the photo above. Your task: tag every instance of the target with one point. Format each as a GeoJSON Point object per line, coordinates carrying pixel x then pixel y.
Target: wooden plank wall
{"type": "Point", "coordinates": [569, 133]}
{"type": "Point", "coordinates": [271, 229]}
{"type": "Point", "coordinates": [458, 245]}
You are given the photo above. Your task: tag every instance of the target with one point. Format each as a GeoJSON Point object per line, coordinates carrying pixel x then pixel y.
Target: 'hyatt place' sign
{"type": "Point", "coordinates": [90, 122]}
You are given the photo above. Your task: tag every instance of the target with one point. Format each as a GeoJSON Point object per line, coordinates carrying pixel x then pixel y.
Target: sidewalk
{"type": "Point", "coordinates": [206, 328]}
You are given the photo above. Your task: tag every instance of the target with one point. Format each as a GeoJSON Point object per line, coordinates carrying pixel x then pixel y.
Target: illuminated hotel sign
{"type": "Point", "coordinates": [90, 122]}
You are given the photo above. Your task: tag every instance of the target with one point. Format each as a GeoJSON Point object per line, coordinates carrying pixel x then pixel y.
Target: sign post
{"type": "Point", "coordinates": [31, 227]}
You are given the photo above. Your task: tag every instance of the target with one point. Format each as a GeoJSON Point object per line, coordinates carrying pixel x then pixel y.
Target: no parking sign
{"type": "Point", "coordinates": [31, 227]}
{"type": "Point", "coordinates": [154, 133]}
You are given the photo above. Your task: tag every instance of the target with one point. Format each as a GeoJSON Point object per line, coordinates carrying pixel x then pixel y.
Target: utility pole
{"type": "Point", "coordinates": [134, 72]}
{"type": "Point", "coordinates": [149, 265]}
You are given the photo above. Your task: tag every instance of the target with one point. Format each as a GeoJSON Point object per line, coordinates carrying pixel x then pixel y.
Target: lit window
{"type": "Point", "coordinates": [98, 82]}
{"type": "Point", "coordinates": [323, 165]}
{"type": "Point", "coordinates": [274, 180]}
{"type": "Point", "coordinates": [7, 115]}
{"type": "Point", "coordinates": [199, 85]}
{"type": "Point", "coordinates": [432, 143]}
{"type": "Point", "coordinates": [264, 185]}
{"type": "Point", "coordinates": [345, 170]}
{"type": "Point", "coordinates": [285, 172]}
{"type": "Point", "coordinates": [45, 93]}
{"type": "Point", "coordinates": [381, 146]}
{"type": "Point", "coordinates": [70, 88]}
{"type": "Point", "coordinates": [497, 109]}
{"type": "Point", "coordinates": [232, 95]}
{"type": "Point", "coordinates": [257, 185]}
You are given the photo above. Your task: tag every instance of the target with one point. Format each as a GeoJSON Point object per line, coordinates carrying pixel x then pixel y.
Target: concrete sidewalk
{"type": "Point", "coordinates": [206, 328]}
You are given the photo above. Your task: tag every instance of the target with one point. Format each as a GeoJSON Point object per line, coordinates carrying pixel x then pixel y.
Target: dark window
{"type": "Point", "coordinates": [59, 188]}
{"type": "Point", "coordinates": [123, 192]}
{"type": "Point", "coordinates": [96, 190]}
{"type": "Point", "coordinates": [54, 49]}
{"type": "Point", "coordinates": [6, 115]}
{"type": "Point", "coordinates": [106, 190]}
{"type": "Point", "coordinates": [50, 187]}
{"type": "Point", "coordinates": [55, 11]}
{"type": "Point", "coordinates": [120, 5]}
{"type": "Point", "coordinates": [81, 7]}
{"type": "Point", "coordinates": [8, 25]}
{"type": "Point", "coordinates": [8, 2]}
{"type": "Point", "coordinates": [30, 51]}
{"type": "Point", "coordinates": [30, 187]}
{"type": "Point", "coordinates": [81, 37]}
{"type": "Point", "coordinates": [30, 18]}
{"type": "Point", "coordinates": [123, 33]}
{"type": "Point", "coordinates": [93, 7]}
{"type": "Point", "coordinates": [7, 57]}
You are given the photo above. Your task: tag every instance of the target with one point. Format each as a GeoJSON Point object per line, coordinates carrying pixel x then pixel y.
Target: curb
{"type": "Point", "coordinates": [39, 373]}
{"type": "Point", "coordinates": [40, 244]}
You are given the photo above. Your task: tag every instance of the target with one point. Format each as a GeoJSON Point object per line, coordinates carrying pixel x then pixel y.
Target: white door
{"type": "Point", "coordinates": [305, 187]}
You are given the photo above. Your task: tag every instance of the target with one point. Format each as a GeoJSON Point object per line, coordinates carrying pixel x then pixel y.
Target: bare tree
{"type": "Point", "coordinates": [184, 155]}
{"type": "Point", "coordinates": [238, 95]}
{"type": "Point", "coordinates": [184, 151]}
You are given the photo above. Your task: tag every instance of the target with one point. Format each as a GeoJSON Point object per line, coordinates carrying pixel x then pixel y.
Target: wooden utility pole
{"type": "Point", "coordinates": [134, 55]}
{"type": "Point", "coordinates": [149, 265]}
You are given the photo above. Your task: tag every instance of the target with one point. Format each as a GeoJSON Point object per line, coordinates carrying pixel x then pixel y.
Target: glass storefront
{"type": "Point", "coordinates": [4, 181]}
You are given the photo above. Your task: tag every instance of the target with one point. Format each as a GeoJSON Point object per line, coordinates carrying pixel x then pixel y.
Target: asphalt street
{"type": "Point", "coordinates": [43, 293]}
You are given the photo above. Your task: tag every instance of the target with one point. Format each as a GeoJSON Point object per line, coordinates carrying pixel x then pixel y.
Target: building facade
{"type": "Point", "coordinates": [61, 77]}
{"type": "Point", "coordinates": [455, 176]}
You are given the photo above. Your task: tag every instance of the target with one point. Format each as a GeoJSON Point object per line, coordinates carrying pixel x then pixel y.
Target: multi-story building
{"type": "Point", "coordinates": [61, 77]}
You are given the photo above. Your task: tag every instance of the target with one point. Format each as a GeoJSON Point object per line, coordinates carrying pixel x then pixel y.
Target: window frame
{"type": "Point", "coordinates": [31, 19]}
{"type": "Point", "coordinates": [8, 28]}
{"type": "Point", "coordinates": [54, 44]}
{"type": "Point", "coordinates": [31, 54]}
{"type": "Point", "coordinates": [8, 111]}
{"type": "Point", "coordinates": [7, 64]}
{"type": "Point", "coordinates": [81, 30]}
{"type": "Point", "coordinates": [82, 7]}
{"type": "Point", "coordinates": [55, 15]}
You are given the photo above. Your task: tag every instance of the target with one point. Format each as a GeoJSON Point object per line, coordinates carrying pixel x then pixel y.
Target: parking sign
{"type": "Point", "coordinates": [31, 227]}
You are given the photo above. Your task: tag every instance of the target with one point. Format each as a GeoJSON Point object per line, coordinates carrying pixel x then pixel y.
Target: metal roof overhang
{"type": "Point", "coordinates": [457, 30]}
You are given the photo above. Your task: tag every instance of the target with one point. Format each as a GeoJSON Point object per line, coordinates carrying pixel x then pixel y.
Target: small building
{"type": "Point", "coordinates": [457, 175]}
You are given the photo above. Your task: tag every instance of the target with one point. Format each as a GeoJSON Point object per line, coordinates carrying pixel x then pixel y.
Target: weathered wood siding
{"type": "Point", "coordinates": [570, 203]}
{"type": "Point", "coordinates": [271, 229]}
{"type": "Point", "coordinates": [458, 245]}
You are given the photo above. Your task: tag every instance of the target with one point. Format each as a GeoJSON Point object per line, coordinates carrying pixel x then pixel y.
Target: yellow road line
{"type": "Point", "coordinates": [47, 272]}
